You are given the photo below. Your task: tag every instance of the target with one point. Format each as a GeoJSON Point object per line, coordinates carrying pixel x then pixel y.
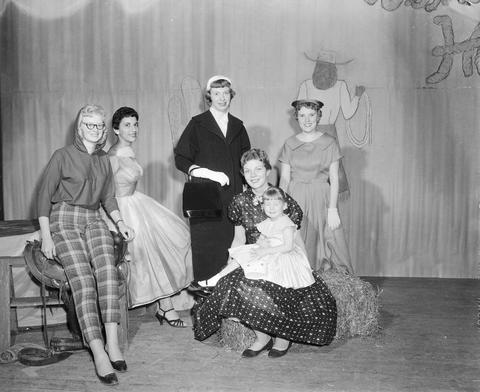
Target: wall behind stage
{"type": "Point", "coordinates": [413, 209]}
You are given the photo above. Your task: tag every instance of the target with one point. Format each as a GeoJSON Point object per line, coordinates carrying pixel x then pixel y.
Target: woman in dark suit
{"type": "Point", "coordinates": [209, 150]}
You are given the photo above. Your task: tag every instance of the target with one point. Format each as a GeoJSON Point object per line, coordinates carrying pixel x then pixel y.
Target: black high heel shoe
{"type": "Point", "coordinates": [274, 353]}
{"type": "Point", "coordinates": [177, 323]}
{"type": "Point", "coordinates": [249, 353]}
{"type": "Point", "coordinates": [109, 379]}
{"type": "Point", "coordinates": [200, 291]}
{"type": "Point", "coordinates": [119, 366]}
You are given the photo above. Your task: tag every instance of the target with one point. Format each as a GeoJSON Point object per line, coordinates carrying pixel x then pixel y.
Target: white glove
{"type": "Point", "coordinates": [333, 220]}
{"type": "Point", "coordinates": [216, 176]}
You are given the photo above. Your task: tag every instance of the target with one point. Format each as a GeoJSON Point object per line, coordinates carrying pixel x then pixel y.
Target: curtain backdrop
{"type": "Point", "coordinates": [413, 209]}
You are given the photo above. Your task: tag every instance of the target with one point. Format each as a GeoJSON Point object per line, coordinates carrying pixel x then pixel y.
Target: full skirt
{"type": "Point", "coordinates": [306, 315]}
{"type": "Point", "coordinates": [321, 242]}
{"type": "Point", "coordinates": [287, 269]}
{"type": "Point", "coordinates": [161, 256]}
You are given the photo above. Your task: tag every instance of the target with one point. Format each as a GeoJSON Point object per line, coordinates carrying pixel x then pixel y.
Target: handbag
{"type": "Point", "coordinates": [202, 200]}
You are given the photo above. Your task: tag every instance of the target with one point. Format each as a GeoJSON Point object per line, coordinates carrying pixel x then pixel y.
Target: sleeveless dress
{"type": "Point", "coordinates": [309, 172]}
{"type": "Point", "coordinates": [305, 315]}
{"type": "Point", "coordinates": [160, 253]}
{"type": "Point", "coordinates": [288, 269]}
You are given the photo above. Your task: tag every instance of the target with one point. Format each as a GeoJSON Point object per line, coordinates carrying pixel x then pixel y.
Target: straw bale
{"type": "Point", "coordinates": [357, 311]}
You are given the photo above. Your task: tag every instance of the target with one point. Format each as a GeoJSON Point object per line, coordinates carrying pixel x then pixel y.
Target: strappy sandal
{"type": "Point", "coordinates": [177, 323]}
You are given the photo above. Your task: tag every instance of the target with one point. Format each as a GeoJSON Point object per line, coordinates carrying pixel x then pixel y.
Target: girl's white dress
{"type": "Point", "coordinates": [288, 269]}
{"type": "Point", "coordinates": [160, 253]}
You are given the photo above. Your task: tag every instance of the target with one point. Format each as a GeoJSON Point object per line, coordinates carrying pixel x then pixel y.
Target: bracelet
{"type": "Point", "coordinates": [120, 220]}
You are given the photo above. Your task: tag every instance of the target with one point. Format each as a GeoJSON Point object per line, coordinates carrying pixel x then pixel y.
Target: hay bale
{"type": "Point", "coordinates": [357, 304]}
{"type": "Point", "coordinates": [357, 311]}
{"type": "Point", "coordinates": [235, 335]}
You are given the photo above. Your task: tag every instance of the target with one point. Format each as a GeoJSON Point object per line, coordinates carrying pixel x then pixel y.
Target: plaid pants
{"type": "Point", "coordinates": [84, 246]}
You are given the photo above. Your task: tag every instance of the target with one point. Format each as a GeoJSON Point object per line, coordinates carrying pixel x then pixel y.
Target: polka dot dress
{"type": "Point", "coordinates": [306, 315]}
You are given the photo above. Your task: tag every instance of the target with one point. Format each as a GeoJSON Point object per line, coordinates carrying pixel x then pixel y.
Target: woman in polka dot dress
{"type": "Point", "coordinates": [278, 315]}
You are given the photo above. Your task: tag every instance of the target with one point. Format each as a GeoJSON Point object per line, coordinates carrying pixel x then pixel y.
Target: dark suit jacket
{"type": "Point", "coordinates": [202, 143]}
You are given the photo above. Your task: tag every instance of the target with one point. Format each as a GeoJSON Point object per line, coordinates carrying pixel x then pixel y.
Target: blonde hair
{"type": "Point", "coordinates": [89, 110]}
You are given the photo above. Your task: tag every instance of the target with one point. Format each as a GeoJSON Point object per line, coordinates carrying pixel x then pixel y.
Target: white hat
{"type": "Point", "coordinates": [215, 78]}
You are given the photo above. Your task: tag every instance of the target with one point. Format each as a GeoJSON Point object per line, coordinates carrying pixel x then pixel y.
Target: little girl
{"type": "Point", "coordinates": [276, 256]}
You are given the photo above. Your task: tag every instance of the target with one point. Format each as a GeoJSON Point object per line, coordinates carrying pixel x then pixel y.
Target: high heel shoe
{"type": "Point", "coordinates": [274, 353]}
{"type": "Point", "coordinates": [249, 353]}
{"type": "Point", "coordinates": [201, 291]}
{"type": "Point", "coordinates": [109, 379]}
{"type": "Point", "coordinates": [119, 366]}
{"type": "Point", "coordinates": [177, 323]}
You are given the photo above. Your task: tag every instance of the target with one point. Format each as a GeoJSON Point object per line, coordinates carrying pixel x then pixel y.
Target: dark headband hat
{"type": "Point", "coordinates": [313, 101]}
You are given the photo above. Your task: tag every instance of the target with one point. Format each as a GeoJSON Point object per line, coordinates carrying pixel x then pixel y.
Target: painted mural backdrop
{"type": "Point", "coordinates": [427, 5]}
{"type": "Point", "coordinates": [410, 141]}
{"type": "Point", "coordinates": [468, 48]}
{"type": "Point", "coordinates": [335, 96]}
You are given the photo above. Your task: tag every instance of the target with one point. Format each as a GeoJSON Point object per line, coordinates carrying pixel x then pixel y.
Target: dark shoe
{"type": "Point", "coordinates": [120, 366]}
{"type": "Point", "coordinates": [249, 353]}
{"type": "Point", "coordinates": [274, 353]}
{"type": "Point", "coordinates": [200, 291]}
{"type": "Point", "coordinates": [109, 379]}
{"type": "Point", "coordinates": [177, 323]}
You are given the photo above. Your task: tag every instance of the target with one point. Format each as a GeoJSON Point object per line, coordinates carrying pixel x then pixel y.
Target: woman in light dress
{"type": "Point", "coordinates": [309, 164]}
{"type": "Point", "coordinates": [161, 257]}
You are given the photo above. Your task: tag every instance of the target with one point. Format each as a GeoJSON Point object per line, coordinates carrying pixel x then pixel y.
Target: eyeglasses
{"type": "Point", "coordinates": [90, 126]}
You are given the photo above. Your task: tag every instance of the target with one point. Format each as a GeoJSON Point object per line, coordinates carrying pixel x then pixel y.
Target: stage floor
{"type": "Point", "coordinates": [429, 342]}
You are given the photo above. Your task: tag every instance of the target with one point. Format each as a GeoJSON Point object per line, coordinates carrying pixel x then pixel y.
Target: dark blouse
{"type": "Point", "coordinates": [77, 178]}
{"type": "Point", "coordinates": [246, 210]}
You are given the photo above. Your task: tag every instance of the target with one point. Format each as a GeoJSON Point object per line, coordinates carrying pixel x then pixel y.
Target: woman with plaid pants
{"type": "Point", "coordinates": [77, 181]}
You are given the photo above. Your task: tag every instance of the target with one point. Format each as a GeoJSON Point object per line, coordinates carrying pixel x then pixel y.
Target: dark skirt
{"type": "Point", "coordinates": [210, 242]}
{"type": "Point", "coordinates": [306, 315]}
